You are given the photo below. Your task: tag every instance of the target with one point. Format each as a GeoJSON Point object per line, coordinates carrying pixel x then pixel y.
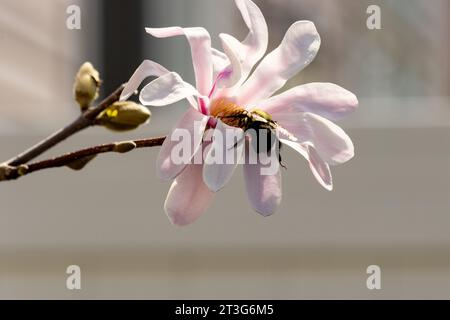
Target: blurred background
{"type": "Point", "coordinates": [390, 206]}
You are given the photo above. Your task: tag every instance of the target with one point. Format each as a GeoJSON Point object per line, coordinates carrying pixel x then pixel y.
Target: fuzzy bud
{"type": "Point", "coordinates": [5, 170]}
{"type": "Point", "coordinates": [22, 170]}
{"type": "Point", "coordinates": [80, 163]}
{"type": "Point", "coordinates": [86, 86]}
{"type": "Point", "coordinates": [123, 116]}
{"type": "Point", "coordinates": [124, 147]}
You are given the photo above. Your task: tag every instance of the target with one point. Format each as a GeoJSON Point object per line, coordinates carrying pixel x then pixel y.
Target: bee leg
{"type": "Point", "coordinates": [281, 162]}
{"type": "Point", "coordinates": [239, 141]}
{"type": "Point", "coordinates": [279, 156]}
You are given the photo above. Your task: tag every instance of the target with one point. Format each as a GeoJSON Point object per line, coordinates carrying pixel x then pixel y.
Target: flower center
{"type": "Point", "coordinates": [234, 115]}
{"type": "Point", "coordinates": [258, 120]}
{"type": "Point", "coordinates": [228, 112]}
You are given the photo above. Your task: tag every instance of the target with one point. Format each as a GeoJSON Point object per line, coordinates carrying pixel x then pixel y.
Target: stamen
{"type": "Point", "coordinates": [224, 74]}
{"type": "Point", "coordinates": [203, 108]}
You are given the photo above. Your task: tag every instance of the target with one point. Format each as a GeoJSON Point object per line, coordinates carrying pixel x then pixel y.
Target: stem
{"type": "Point", "coordinates": [16, 172]}
{"type": "Point", "coordinates": [85, 120]}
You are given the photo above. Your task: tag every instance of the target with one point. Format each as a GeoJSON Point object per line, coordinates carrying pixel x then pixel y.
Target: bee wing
{"type": "Point", "coordinates": [284, 133]}
{"type": "Point", "coordinates": [258, 118]}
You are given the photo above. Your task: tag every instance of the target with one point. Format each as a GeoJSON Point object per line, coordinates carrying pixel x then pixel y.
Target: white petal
{"type": "Point", "coordinates": [234, 70]}
{"type": "Point", "coordinates": [192, 123]}
{"type": "Point", "coordinates": [325, 99]}
{"type": "Point", "coordinates": [297, 49]}
{"type": "Point", "coordinates": [167, 89]}
{"type": "Point", "coordinates": [223, 156]}
{"type": "Point", "coordinates": [319, 168]}
{"type": "Point", "coordinates": [225, 74]}
{"type": "Point", "coordinates": [147, 68]}
{"type": "Point", "coordinates": [220, 61]}
{"type": "Point", "coordinates": [200, 43]}
{"type": "Point", "coordinates": [331, 142]}
{"type": "Point", "coordinates": [188, 196]}
{"type": "Point", "coordinates": [263, 191]}
{"type": "Point", "coordinates": [254, 46]}
{"type": "Point", "coordinates": [244, 55]}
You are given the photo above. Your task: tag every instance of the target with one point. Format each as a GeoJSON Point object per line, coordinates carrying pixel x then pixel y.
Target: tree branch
{"type": "Point", "coordinates": [85, 120]}
{"type": "Point", "coordinates": [13, 172]}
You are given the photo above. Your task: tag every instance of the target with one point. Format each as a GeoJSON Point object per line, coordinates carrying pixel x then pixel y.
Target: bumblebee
{"type": "Point", "coordinates": [256, 120]}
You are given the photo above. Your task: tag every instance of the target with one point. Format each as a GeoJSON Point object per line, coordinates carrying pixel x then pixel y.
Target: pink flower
{"type": "Point", "coordinates": [301, 116]}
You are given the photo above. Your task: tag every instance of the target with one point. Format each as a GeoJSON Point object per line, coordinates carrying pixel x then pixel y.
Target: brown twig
{"type": "Point", "coordinates": [14, 172]}
{"type": "Point", "coordinates": [85, 120]}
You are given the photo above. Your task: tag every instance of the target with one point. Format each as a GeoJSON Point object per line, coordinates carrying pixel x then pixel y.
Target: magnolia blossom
{"type": "Point", "coordinates": [302, 115]}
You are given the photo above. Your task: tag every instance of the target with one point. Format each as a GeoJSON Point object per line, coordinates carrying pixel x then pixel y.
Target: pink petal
{"type": "Point", "coordinates": [188, 196]}
{"type": "Point", "coordinates": [147, 68]}
{"type": "Point", "coordinates": [325, 99]}
{"type": "Point", "coordinates": [319, 168]}
{"type": "Point", "coordinates": [194, 123]}
{"type": "Point", "coordinates": [263, 191]}
{"type": "Point", "coordinates": [331, 142]}
{"type": "Point", "coordinates": [248, 52]}
{"type": "Point", "coordinates": [254, 45]}
{"type": "Point", "coordinates": [220, 61]}
{"type": "Point", "coordinates": [297, 49]}
{"type": "Point", "coordinates": [200, 43]}
{"type": "Point", "coordinates": [234, 69]}
{"type": "Point", "coordinates": [167, 89]}
{"type": "Point", "coordinates": [218, 170]}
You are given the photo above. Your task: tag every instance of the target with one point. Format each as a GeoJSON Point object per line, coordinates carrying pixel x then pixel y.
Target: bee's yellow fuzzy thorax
{"type": "Point", "coordinates": [262, 114]}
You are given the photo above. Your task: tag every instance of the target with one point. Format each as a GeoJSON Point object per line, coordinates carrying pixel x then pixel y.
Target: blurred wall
{"type": "Point", "coordinates": [39, 57]}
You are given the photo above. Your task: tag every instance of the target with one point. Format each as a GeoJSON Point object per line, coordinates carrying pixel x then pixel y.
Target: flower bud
{"type": "Point", "coordinates": [123, 116]}
{"type": "Point", "coordinates": [124, 147]}
{"type": "Point", "coordinates": [5, 170]}
{"type": "Point", "coordinates": [22, 170]}
{"type": "Point", "coordinates": [80, 163]}
{"type": "Point", "coordinates": [86, 86]}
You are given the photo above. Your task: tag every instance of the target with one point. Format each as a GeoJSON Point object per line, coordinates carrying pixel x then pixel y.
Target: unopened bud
{"type": "Point", "coordinates": [80, 163]}
{"type": "Point", "coordinates": [5, 170]}
{"type": "Point", "coordinates": [124, 147]}
{"type": "Point", "coordinates": [86, 86]}
{"type": "Point", "coordinates": [22, 169]}
{"type": "Point", "coordinates": [123, 116]}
